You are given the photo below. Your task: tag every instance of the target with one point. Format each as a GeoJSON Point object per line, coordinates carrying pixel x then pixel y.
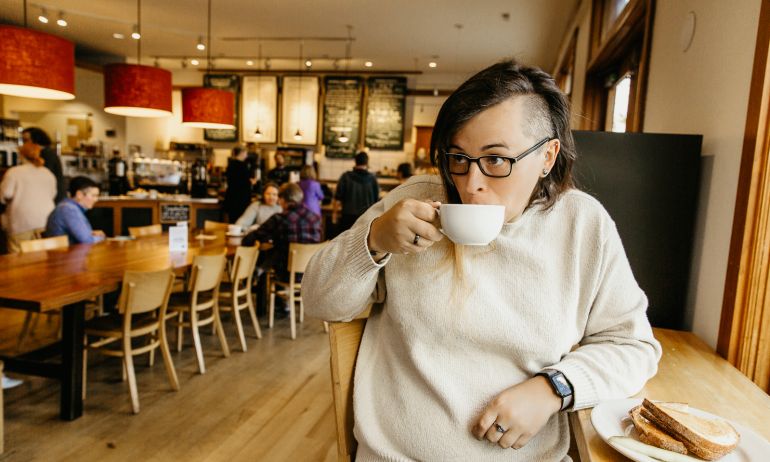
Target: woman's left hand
{"type": "Point", "coordinates": [520, 411]}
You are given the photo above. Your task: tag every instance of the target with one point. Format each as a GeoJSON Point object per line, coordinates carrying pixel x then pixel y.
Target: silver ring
{"type": "Point", "coordinates": [416, 239]}
{"type": "Point", "coordinates": [499, 428]}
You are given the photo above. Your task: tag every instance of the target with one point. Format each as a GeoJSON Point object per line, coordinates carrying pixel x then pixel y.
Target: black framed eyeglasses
{"type": "Point", "coordinates": [492, 166]}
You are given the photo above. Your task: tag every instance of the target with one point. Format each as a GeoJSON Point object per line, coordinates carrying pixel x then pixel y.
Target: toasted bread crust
{"type": "Point", "coordinates": [699, 445]}
{"type": "Point", "coordinates": [650, 433]}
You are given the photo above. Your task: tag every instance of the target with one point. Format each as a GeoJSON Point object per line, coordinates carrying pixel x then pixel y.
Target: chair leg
{"type": "Point", "coordinates": [197, 341]}
{"type": "Point", "coordinates": [128, 360]}
{"type": "Point", "coordinates": [221, 330]}
{"type": "Point", "coordinates": [59, 325]}
{"type": "Point", "coordinates": [292, 314]}
{"type": "Point", "coordinates": [170, 371]}
{"type": "Point", "coordinates": [236, 314]}
{"type": "Point", "coordinates": [253, 316]}
{"type": "Point", "coordinates": [25, 328]}
{"type": "Point", "coordinates": [179, 331]}
{"type": "Point", "coordinates": [271, 311]}
{"type": "Point", "coordinates": [85, 367]}
{"type": "Point", "coordinates": [326, 327]}
{"type": "Point", "coordinates": [150, 339]}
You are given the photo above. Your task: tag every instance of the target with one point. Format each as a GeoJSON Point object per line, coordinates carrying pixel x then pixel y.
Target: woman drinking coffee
{"type": "Point", "coordinates": [476, 352]}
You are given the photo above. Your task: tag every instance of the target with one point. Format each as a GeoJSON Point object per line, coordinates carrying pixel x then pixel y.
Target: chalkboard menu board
{"type": "Point", "coordinates": [385, 112]}
{"type": "Point", "coordinates": [342, 115]}
{"type": "Point", "coordinates": [174, 213]}
{"type": "Point", "coordinates": [229, 82]}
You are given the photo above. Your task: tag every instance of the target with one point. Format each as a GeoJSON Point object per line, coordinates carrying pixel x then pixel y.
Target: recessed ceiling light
{"type": "Point", "coordinates": [118, 36]}
{"type": "Point", "coordinates": [194, 62]}
{"type": "Point", "coordinates": [249, 63]}
{"type": "Point", "coordinates": [432, 64]}
{"type": "Point", "coordinates": [61, 21]}
{"type": "Point", "coordinates": [368, 64]}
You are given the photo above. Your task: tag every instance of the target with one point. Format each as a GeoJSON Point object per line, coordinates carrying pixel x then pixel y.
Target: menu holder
{"type": "Point", "coordinates": [177, 237]}
{"type": "Point", "coordinates": [342, 115]}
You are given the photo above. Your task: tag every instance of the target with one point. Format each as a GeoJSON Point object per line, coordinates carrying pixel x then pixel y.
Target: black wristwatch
{"type": "Point", "coordinates": [560, 385]}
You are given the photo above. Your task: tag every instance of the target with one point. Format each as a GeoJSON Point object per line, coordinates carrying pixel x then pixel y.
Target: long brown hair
{"type": "Point", "coordinates": [31, 152]}
{"type": "Point", "coordinates": [549, 116]}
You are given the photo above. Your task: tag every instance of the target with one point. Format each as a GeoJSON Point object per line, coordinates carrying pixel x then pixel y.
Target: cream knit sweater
{"type": "Point", "coordinates": [29, 193]}
{"type": "Point", "coordinates": [442, 345]}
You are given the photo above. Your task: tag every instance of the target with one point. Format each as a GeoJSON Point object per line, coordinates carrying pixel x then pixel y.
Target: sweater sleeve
{"type": "Point", "coordinates": [618, 352]}
{"type": "Point", "coordinates": [249, 216]}
{"type": "Point", "coordinates": [342, 279]}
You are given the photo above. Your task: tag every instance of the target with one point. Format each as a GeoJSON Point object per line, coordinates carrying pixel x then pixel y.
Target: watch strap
{"type": "Point", "coordinates": [553, 375]}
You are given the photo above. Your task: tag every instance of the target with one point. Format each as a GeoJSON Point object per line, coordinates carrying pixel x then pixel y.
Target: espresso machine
{"type": "Point", "coordinates": [199, 176]}
{"type": "Point", "coordinates": [117, 172]}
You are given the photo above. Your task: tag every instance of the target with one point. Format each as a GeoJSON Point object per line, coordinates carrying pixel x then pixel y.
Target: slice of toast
{"type": "Point", "coordinates": [649, 433]}
{"type": "Point", "coordinates": [708, 439]}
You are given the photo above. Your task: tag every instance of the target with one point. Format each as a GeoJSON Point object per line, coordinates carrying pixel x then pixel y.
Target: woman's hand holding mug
{"type": "Point", "coordinates": [407, 227]}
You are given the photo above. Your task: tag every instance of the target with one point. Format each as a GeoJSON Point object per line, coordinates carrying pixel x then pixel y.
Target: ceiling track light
{"type": "Point", "coordinates": [201, 46]}
{"type": "Point", "coordinates": [43, 17]}
{"type": "Point", "coordinates": [135, 33]}
{"type": "Point", "coordinates": [194, 62]}
{"type": "Point", "coordinates": [61, 21]}
{"type": "Point", "coordinates": [308, 63]}
{"type": "Point", "coordinates": [368, 64]}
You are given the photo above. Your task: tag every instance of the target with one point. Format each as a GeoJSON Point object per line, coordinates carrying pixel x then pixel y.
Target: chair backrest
{"type": "Point", "coordinates": [244, 262]}
{"type": "Point", "coordinates": [209, 225]}
{"type": "Point", "coordinates": [150, 230]}
{"type": "Point", "coordinates": [344, 340]}
{"type": "Point", "coordinates": [48, 243]}
{"type": "Point", "coordinates": [145, 291]}
{"type": "Point", "coordinates": [207, 271]}
{"type": "Point", "coordinates": [300, 254]}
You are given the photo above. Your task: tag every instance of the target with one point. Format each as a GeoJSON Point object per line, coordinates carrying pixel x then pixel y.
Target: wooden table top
{"type": "Point", "coordinates": [48, 280]}
{"type": "Point", "coordinates": [693, 373]}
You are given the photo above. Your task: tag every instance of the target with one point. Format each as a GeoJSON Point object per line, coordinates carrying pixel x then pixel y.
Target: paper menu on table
{"type": "Point", "coordinates": [177, 238]}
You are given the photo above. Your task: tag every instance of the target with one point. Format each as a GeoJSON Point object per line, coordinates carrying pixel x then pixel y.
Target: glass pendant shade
{"type": "Point", "coordinates": [36, 65]}
{"type": "Point", "coordinates": [137, 91]}
{"type": "Point", "coordinates": [208, 108]}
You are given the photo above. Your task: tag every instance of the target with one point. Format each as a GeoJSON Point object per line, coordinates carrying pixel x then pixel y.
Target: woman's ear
{"type": "Point", "coordinates": [550, 154]}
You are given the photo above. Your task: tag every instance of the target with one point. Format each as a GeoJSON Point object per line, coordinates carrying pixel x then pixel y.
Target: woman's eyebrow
{"type": "Point", "coordinates": [483, 148]}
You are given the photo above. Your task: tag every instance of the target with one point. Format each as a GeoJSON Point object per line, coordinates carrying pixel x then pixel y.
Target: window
{"type": "Point", "coordinates": [617, 105]}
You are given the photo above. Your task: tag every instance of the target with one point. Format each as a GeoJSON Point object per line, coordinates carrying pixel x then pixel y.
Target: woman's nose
{"type": "Point", "coordinates": [476, 180]}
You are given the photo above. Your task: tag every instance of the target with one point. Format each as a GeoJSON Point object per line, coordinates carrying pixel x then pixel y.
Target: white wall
{"type": "Point", "coordinates": [52, 116]}
{"type": "Point", "coordinates": [705, 91]}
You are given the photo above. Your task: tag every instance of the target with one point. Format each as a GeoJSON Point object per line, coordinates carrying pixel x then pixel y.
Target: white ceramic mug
{"type": "Point", "coordinates": [234, 229]}
{"type": "Point", "coordinates": [471, 224]}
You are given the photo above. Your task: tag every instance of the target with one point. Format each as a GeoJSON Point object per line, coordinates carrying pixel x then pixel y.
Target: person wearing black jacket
{"type": "Point", "coordinates": [357, 190]}
{"type": "Point", "coordinates": [239, 182]}
{"type": "Point", "coordinates": [51, 160]}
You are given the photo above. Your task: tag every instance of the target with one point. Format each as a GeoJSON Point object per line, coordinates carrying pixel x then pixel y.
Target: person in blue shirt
{"type": "Point", "coordinates": [69, 217]}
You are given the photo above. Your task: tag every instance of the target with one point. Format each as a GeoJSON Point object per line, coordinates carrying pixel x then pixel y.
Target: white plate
{"type": "Point", "coordinates": [610, 418]}
{"type": "Point", "coordinates": [229, 234]}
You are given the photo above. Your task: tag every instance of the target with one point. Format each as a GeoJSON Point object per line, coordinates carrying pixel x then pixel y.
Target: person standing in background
{"type": "Point", "coordinates": [256, 166]}
{"type": "Point", "coordinates": [29, 191]}
{"type": "Point", "coordinates": [69, 216]}
{"type": "Point", "coordinates": [313, 195]}
{"type": "Point", "coordinates": [239, 182]}
{"type": "Point", "coordinates": [357, 190]}
{"type": "Point", "coordinates": [280, 174]}
{"type": "Point", "coordinates": [37, 136]}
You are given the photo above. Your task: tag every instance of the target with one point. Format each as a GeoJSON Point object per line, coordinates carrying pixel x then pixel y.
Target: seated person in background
{"type": "Point", "coordinates": [258, 212]}
{"type": "Point", "coordinates": [295, 224]}
{"type": "Point", "coordinates": [404, 171]}
{"type": "Point", "coordinates": [69, 217]}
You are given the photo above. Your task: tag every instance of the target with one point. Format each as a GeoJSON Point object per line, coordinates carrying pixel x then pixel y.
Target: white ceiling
{"type": "Point", "coordinates": [396, 35]}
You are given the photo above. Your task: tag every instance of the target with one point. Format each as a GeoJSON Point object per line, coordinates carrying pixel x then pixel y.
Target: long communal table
{"type": "Point", "coordinates": [63, 280]}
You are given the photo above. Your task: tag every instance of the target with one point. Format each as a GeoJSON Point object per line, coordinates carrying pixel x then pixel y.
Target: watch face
{"type": "Point", "coordinates": [562, 387]}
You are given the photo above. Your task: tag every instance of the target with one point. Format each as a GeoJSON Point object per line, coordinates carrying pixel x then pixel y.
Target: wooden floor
{"type": "Point", "coordinates": [272, 403]}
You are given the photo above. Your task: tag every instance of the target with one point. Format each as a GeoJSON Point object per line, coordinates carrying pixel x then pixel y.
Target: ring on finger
{"type": "Point", "coordinates": [416, 239]}
{"type": "Point", "coordinates": [499, 428]}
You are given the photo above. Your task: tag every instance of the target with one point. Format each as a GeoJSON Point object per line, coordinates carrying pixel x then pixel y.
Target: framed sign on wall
{"type": "Point", "coordinates": [260, 109]}
{"type": "Point", "coordinates": [229, 82]}
{"type": "Point", "coordinates": [385, 103]}
{"type": "Point", "coordinates": [342, 115]}
{"type": "Point", "coordinates": [299, 110]}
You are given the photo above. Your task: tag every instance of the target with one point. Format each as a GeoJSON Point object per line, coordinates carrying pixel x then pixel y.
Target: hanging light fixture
{"type": "Point", "coordinates": [204, 107]}
{"type": "Point", "coordinates": [35, 64]}
{"type": "Point", "coordinates": [258, 131]}
{"type": "Point", "coordinates": [298, 133]}
{"type": "Point", "coordinates": [61, 21]}
{"type": "Point", "coordinates": [135, 90]}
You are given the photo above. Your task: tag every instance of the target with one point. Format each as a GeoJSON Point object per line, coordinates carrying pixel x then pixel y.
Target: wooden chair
{"type": "Point", "coordinates": [47, 243]}
{"type": "Point", "coordinates": [2, 417]}
{"type": "Point", "coordinates": [209, 225]}
{"type": "Point", "coordinates": [207, 271]}
{"type": "Point", "coordinates": [299, 256]}
{"type": "Point", "coordinates": [344, 340]}
{"type": "Point", "coordinates": [143, 309]}
{"type": "Point", "coordinates": [35, 245]}
{"type": "Point", "coordinates": [140, 231]}
{"type": "Point", "coordinates": [238, 290]}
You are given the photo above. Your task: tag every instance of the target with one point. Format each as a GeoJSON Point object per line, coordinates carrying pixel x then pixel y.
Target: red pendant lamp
{"type": "Point", "coordinates": [134, 90]}
{"type": "Point", "coordinates": [137, 91]}
{"type": "Point", "coordinates": [36, 65]}
{"type": "Point", "coordinates": [208, 107]}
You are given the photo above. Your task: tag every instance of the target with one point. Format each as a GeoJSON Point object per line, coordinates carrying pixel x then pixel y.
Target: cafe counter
{"type": "Point", "coordinates": [115, 214]}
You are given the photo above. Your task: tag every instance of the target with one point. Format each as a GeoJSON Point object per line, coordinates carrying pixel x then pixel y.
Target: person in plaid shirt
{"type": "Point", "coordinates": [295, 224]}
